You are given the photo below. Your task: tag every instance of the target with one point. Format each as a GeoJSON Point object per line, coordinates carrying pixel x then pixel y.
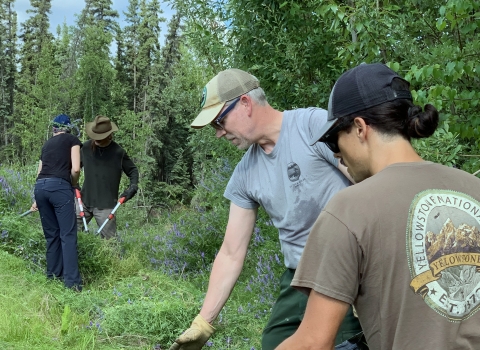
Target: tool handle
{"type": "Point", "coordinates": [112, 214]}
{"type": "Point", "coordinates": [82, 214]}
{"type": "Point", "coordinates": [104, 223]}
{"type": "Point", "coordinates": [78, 195]}
{"type": "Point", "coordinates": [26, 213]}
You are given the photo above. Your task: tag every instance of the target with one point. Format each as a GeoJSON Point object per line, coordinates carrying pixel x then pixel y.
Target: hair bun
{"type": "Point", "coordinates": [421, 124]}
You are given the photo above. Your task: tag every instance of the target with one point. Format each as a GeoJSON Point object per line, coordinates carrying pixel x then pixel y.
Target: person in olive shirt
{"type": "Point", "coordinates": [103, 162]}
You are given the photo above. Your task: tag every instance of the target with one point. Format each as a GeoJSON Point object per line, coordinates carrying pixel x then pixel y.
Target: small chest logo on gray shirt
{"type": "Point", "coordinates": [293, 171]}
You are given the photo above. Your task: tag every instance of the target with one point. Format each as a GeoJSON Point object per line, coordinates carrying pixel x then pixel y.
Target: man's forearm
{"type": "Point", "coordinates": [225, 272]}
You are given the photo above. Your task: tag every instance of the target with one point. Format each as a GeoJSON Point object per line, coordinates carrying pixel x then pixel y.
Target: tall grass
{"type": "Point", "coordinates": [142, 290]}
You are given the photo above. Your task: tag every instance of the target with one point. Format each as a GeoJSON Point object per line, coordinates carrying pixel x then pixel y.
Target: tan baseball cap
{"type": "Point", "coordinates": [225, 86]}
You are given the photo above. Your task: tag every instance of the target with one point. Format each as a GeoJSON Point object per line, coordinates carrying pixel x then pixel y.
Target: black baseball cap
{"type": "Point", "coordinates": [359, 88]}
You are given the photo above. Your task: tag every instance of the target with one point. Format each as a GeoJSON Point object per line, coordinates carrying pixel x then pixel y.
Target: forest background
{"type": "Point", "coordinates": [143, 290]}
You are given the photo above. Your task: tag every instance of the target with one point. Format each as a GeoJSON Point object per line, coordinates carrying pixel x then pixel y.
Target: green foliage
{"type": "Point", "coordinates": [160, 320]}
{"type": "Point", "coordinates": [443, 147]}
{"type": "Point", "coordinates": [95, 75]}
{"type": "Point", "coordinates": [66, 319]}
{"type": "Point", "coordinates": [16, 189]}
{"type": "Point", "coordinates": [8, 51]}
{"type": "Point", "coordinates": [287, 46]}
{"type": "Point", "coordinates": [96, 257]}
{"type": "Point", "coordinates": [18, 238]}
{"type": "Point", "coordinates": [299, 48]}
{"type": "Point", "coordinates": [127, 303]}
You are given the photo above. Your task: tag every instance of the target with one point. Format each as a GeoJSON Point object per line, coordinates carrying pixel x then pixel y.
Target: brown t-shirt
{"type": "Point", "coordinates": [404, 247]}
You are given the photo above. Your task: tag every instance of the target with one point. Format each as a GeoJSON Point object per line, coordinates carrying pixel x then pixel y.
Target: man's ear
{"type": "Point", "coordinates": [361, 128]}
{"type": "Point", "coordinates": [246, 102]}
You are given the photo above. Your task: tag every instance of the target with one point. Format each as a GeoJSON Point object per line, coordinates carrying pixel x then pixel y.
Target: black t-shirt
{"type": "Point", "coordinates": [56, 156]}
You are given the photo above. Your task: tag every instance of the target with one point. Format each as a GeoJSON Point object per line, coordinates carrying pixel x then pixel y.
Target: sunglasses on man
{"type": "Point", "coordinates": [217, 122]}
{"type": "Point", "coordinates": [330, 138]}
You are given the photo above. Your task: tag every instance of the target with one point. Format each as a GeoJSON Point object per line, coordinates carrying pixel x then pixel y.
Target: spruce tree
{"type": "Point", "coordinates": [127, 53]}
{"type": "Point", "coordinates": [95, 76]}
{"type": "Point", "coordinates": [8, 39]}
{"type": "Point", "coordinates": [31, 119]}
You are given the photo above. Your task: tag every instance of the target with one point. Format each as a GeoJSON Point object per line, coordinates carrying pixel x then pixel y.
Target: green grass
{"type": "Point", "coordinates": [128, 305]}
{"type": "Point", "coordinates": [31, 314]}
{"type": "Point", "coordinates": [141, 291]}
{"type": "Point", "coordinates": [118, 313]}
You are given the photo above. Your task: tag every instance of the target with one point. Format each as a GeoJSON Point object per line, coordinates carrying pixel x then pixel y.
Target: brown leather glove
{"type": "Point", "coordinates": [195, 337]}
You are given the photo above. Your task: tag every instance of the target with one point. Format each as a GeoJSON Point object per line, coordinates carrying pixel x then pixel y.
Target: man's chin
{"type": "Point", "coordinates": [240, 144]}
{"type": "Point", "coordinates": [243, 145]}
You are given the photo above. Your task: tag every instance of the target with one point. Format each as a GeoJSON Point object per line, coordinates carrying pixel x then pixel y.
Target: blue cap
{"type": "Point", "coordinates": [62, 119]}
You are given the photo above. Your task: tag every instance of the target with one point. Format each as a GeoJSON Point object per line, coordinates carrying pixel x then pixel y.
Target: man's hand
{"type": "Point", "coordinates": [195, 337]}
{"type": "Point", "coordinates": [129, 192]}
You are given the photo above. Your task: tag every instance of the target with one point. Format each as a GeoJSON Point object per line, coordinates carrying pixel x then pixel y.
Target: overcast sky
{"type": "Point", "coordinates": [65, 10]}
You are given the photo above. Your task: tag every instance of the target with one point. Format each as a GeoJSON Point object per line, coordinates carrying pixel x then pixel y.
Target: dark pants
{"type": "Point", "coordinates": [288, 312]}
{"type": "Point", "coordinates": [55, 202]}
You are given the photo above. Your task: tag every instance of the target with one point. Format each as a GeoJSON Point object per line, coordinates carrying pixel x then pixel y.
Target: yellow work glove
{"type": "Point", "coordinates": [195, 337]}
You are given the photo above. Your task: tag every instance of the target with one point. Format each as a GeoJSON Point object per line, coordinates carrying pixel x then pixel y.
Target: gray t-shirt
{"type": "Point", "coordinates": [293, 183]}
{"type": "Point", "coordinates": [404, 247]}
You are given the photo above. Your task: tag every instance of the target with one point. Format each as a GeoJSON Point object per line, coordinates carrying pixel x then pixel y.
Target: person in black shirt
{"type": "Point", "coordinates": [103, 162]}
{"type": "Point", "coordinates": [58, 171]}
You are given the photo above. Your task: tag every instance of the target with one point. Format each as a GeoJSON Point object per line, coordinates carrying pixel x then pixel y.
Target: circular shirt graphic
{"type": "Point", "coordinates": [293, 171]}
{"type": "Point", "coordinates": [443, 249]}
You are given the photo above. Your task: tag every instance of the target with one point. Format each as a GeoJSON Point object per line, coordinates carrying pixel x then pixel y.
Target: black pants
{"type": "Point", "coordinates": [55, 202]}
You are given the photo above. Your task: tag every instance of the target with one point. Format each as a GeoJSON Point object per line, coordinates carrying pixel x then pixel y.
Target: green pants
{"type": "Point", "coordinates": [288, 311]}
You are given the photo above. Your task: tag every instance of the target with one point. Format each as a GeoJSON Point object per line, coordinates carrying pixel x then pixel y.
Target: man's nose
{"type": "Point", "coordinates": [220, 133]}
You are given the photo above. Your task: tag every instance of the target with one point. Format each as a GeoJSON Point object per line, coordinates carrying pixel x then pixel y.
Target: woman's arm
{"type": "Point", "coordinates": [75, 172]}
{"type": "Point", "coordinates": [39, 167]}
{"type": "Point", "coordinates": [34, 205]}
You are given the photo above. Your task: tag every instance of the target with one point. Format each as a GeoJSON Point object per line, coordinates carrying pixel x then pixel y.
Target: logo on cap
{"type": "Point", "coordinates": [204, 97]}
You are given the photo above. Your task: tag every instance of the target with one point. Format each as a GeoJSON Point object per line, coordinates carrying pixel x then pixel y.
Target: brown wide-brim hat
{"type": "Point", "coordinates": [100, 128]}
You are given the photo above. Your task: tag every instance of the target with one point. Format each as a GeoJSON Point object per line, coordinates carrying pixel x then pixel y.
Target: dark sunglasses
{"type": "Point", "coordinates": [217, 123]}
{"type": "Point", "coordinates": [330, 138]}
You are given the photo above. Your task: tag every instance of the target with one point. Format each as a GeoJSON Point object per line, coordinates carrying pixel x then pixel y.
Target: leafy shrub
{"type": "Point", "coordinates": [16, 189]}
{"type": "Point", "coordinates": [442, 147]}
{"type": "Point", "coordinates": [21, 238]}
{"type": "Point", "coordinates": [96, 257]}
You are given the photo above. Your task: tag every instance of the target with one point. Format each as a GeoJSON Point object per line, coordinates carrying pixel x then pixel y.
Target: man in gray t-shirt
{"type": "Point", "coordinates": [292, 180]}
